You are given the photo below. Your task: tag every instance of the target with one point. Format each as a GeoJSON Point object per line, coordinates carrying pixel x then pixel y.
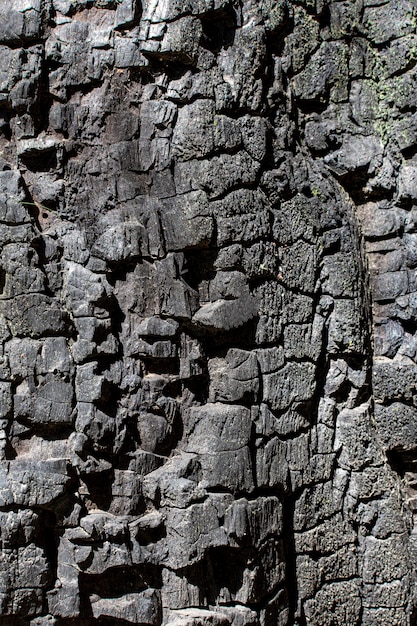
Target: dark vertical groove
{"type": "Point", "coordinates": [291, 561]}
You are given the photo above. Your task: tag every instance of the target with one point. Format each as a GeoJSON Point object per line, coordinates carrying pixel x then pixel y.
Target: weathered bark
{"type": "Point", "coordinates": [208, 309]}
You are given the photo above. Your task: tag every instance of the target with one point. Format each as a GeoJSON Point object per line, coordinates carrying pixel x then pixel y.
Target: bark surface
{"type": "Point", "coordinates": [208, 307]}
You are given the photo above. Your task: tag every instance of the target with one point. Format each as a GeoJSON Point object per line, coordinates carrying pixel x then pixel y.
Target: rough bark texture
{"type": "Point", "coordinates": [208, 378]}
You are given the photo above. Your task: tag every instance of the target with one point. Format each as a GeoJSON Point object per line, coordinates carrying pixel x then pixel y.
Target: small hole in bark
{"type": "Point", "coordinates": [219, 30]}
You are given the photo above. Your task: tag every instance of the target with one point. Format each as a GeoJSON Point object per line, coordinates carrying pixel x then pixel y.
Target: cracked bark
{"type": "Point", "coordinates": [207, 313]}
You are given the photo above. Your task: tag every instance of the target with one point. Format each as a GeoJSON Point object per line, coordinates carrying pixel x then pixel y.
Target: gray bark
{"type": "Point", "coordinates": [208, 306]}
